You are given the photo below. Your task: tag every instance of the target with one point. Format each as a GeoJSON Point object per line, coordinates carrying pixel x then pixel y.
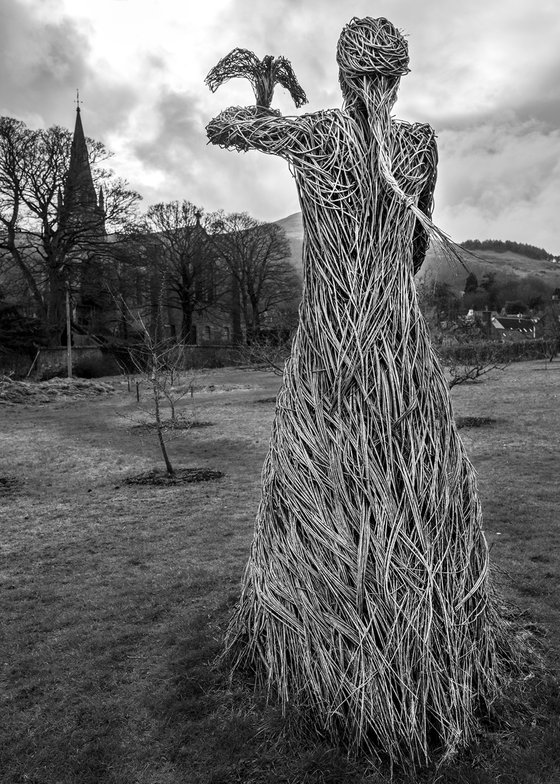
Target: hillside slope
{"type": "Point", "coordinates": [293, 226]}
{"type": "Point", "coordinates": [506, 266]}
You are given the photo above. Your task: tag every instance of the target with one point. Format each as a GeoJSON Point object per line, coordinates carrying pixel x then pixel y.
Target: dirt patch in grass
{"type": "Point", "coordinates": [224, 388]}
{"type": "Point", "coordinates": [170, 425]}
{"type": "Point", "coordinates": [474, 421]}
{"type": "Point", "coordinates": [180, 476]}
{"type": "Point", "coordinates": [10, 485]}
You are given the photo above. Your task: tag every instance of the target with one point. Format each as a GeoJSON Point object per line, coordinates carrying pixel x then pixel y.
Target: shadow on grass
{"type": "Point", "coordinates": [10, 485]}
{"type": "Point", "coordinates": [181, 718]}
{"type": "Point", "coordinates": [474, 421]}
{"type": "Point", "coordinates": [170, 425]}
{"type": "Point", "coordinates": [219, 731]}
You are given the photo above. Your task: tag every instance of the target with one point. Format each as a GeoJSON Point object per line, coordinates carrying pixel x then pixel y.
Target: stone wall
{"type": "Point", "coordinates": [52, 361]}
{"type": "Point", "coordinates": [48, 362]}
{"type": "Point", "coordinates": [16, 365]}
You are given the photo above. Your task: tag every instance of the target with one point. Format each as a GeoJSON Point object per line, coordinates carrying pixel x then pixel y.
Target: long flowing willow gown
{"type": "Point", "coordinates": [365, 600]}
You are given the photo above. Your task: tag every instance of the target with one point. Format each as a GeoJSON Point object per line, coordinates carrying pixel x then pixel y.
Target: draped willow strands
{"type": "Point", "coordinates": [365, 602]}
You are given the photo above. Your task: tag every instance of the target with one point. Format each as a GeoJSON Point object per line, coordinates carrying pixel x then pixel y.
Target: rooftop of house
{"type": "Point", "coordinates": [518, 323]}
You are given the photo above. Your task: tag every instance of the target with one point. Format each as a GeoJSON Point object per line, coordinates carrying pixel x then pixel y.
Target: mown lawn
{"type": "Point", "coordinates": [115, 597]}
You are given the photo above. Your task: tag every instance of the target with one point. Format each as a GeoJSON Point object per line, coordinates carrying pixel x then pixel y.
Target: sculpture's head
{"type": "Point", "coordinates": [371, 52]}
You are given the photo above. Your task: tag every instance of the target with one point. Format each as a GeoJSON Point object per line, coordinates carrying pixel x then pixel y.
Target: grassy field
{"type": "Point", "coordinates": [115, 597]}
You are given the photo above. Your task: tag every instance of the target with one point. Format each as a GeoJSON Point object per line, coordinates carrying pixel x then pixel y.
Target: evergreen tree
{"type": "Point", "coordinates": [471, 283]}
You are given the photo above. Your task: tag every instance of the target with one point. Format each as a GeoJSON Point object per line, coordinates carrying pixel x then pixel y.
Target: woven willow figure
{"type": "Point", "coordinates": [365, 601]}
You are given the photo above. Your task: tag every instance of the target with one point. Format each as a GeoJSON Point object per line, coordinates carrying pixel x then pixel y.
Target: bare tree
{"type": "Point", "coordinates": [158, 362]}
{"type": "Point", "coordinates": [257, 257]}
{"type": "Point", "coordinates": [551, 330]}
{"type": "Point", "coordinates": [41, 246]}
{"type": "Point", "coordinates": [180, 251]}
{"type": "Point", "coordinates": [479, 364]}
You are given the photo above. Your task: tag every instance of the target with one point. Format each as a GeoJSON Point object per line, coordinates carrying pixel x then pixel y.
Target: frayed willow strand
{"type": "Point", "coordinates": [365, 601]}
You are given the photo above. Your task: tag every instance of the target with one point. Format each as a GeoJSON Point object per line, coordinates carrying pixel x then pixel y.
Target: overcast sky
{"type": "Point", "coordinates": [484, 73]}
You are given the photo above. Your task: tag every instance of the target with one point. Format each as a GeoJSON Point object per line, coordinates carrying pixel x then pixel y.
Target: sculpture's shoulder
{"type": "Point", "coordinates": [414, 154]}
{"type": "Point", "coordinates": [416, 135]}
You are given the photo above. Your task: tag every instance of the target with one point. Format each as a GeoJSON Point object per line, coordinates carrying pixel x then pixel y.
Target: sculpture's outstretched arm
{"type": "Point", "coordinates": [255, 128]}
{"type": "Point", "coordinates": [420, 239]}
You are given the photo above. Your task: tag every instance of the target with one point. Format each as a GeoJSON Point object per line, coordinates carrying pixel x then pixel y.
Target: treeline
{"type": "Point", "coordinates": [172, 265]}
{"type": "Point", "coordinates": [501, 246]}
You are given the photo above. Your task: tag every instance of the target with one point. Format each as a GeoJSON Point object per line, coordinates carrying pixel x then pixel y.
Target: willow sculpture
{"type": "Point", "coordinates": [365, 602]}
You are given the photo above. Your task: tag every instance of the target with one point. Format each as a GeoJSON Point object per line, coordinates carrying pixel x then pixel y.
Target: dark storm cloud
{"type": "Point", "coordinates": [44, 62]}
{"type": "Point", "coordinates": [177, 150]}
{"type": "Point", "coordinates": [41, 62]}
{"type": "Point", "coordinates": [178, 130]}
{"type": "Point", "coordinates": [542, 103]}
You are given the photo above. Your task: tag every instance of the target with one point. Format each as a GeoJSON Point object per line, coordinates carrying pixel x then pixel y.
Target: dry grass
{"type": "Point", "coordinates": [115, 598]}
{"type": "Point", "coordinates": [21, 392]}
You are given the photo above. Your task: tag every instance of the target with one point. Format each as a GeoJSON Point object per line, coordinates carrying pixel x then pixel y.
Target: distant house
{"type": "Point", "coordinates": [515, 327]}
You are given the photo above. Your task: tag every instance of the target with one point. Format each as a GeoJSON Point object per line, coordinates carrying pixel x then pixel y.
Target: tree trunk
{"type": "Point", "coordinates": [236, 328]}
{"type": "Point", "coordinates": [159, 424]}
{"type": "Point", "coordinates": [56, 307]}
{"type": "Point", "coordinates": [187, 321]}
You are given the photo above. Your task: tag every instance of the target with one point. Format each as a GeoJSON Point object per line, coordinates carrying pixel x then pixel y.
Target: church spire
{"type": "Point", "coordinates": [80, 197]}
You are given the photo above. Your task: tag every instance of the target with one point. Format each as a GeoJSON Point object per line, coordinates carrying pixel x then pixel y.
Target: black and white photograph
{"type": "Point", "coordinates": [279, 392]}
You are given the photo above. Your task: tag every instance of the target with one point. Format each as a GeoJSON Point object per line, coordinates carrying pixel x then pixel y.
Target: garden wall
{"type": "Point", "coordinates": [52, 361]}
{"type": "Point", "coordinates": [16, 365]}
{"type": "Point", "coordinates": [48, 362]}
{"type": "Point", "coordinates": [211, 356]}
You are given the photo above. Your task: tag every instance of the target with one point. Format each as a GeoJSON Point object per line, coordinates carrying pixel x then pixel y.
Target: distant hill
{"type": "Point", "coordinates": [293, 226]}
{"type": "Point", "coordinates": [507, 265]}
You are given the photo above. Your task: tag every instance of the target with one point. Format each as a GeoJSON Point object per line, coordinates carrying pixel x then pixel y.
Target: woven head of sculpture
{"type": "Point", "coordinates": [371, 53]}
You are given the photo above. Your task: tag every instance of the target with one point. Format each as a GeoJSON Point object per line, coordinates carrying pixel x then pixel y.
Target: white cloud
{"type": "Point", "coordinates": [501, 181]}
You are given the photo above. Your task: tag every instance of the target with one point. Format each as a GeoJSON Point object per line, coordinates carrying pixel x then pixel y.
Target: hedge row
{"type": "Point", "coordinates": [500, 351]}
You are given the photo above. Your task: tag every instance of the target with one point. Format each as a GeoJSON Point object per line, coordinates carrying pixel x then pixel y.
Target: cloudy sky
{"type": "Point", "coordinates": [484, 73]}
